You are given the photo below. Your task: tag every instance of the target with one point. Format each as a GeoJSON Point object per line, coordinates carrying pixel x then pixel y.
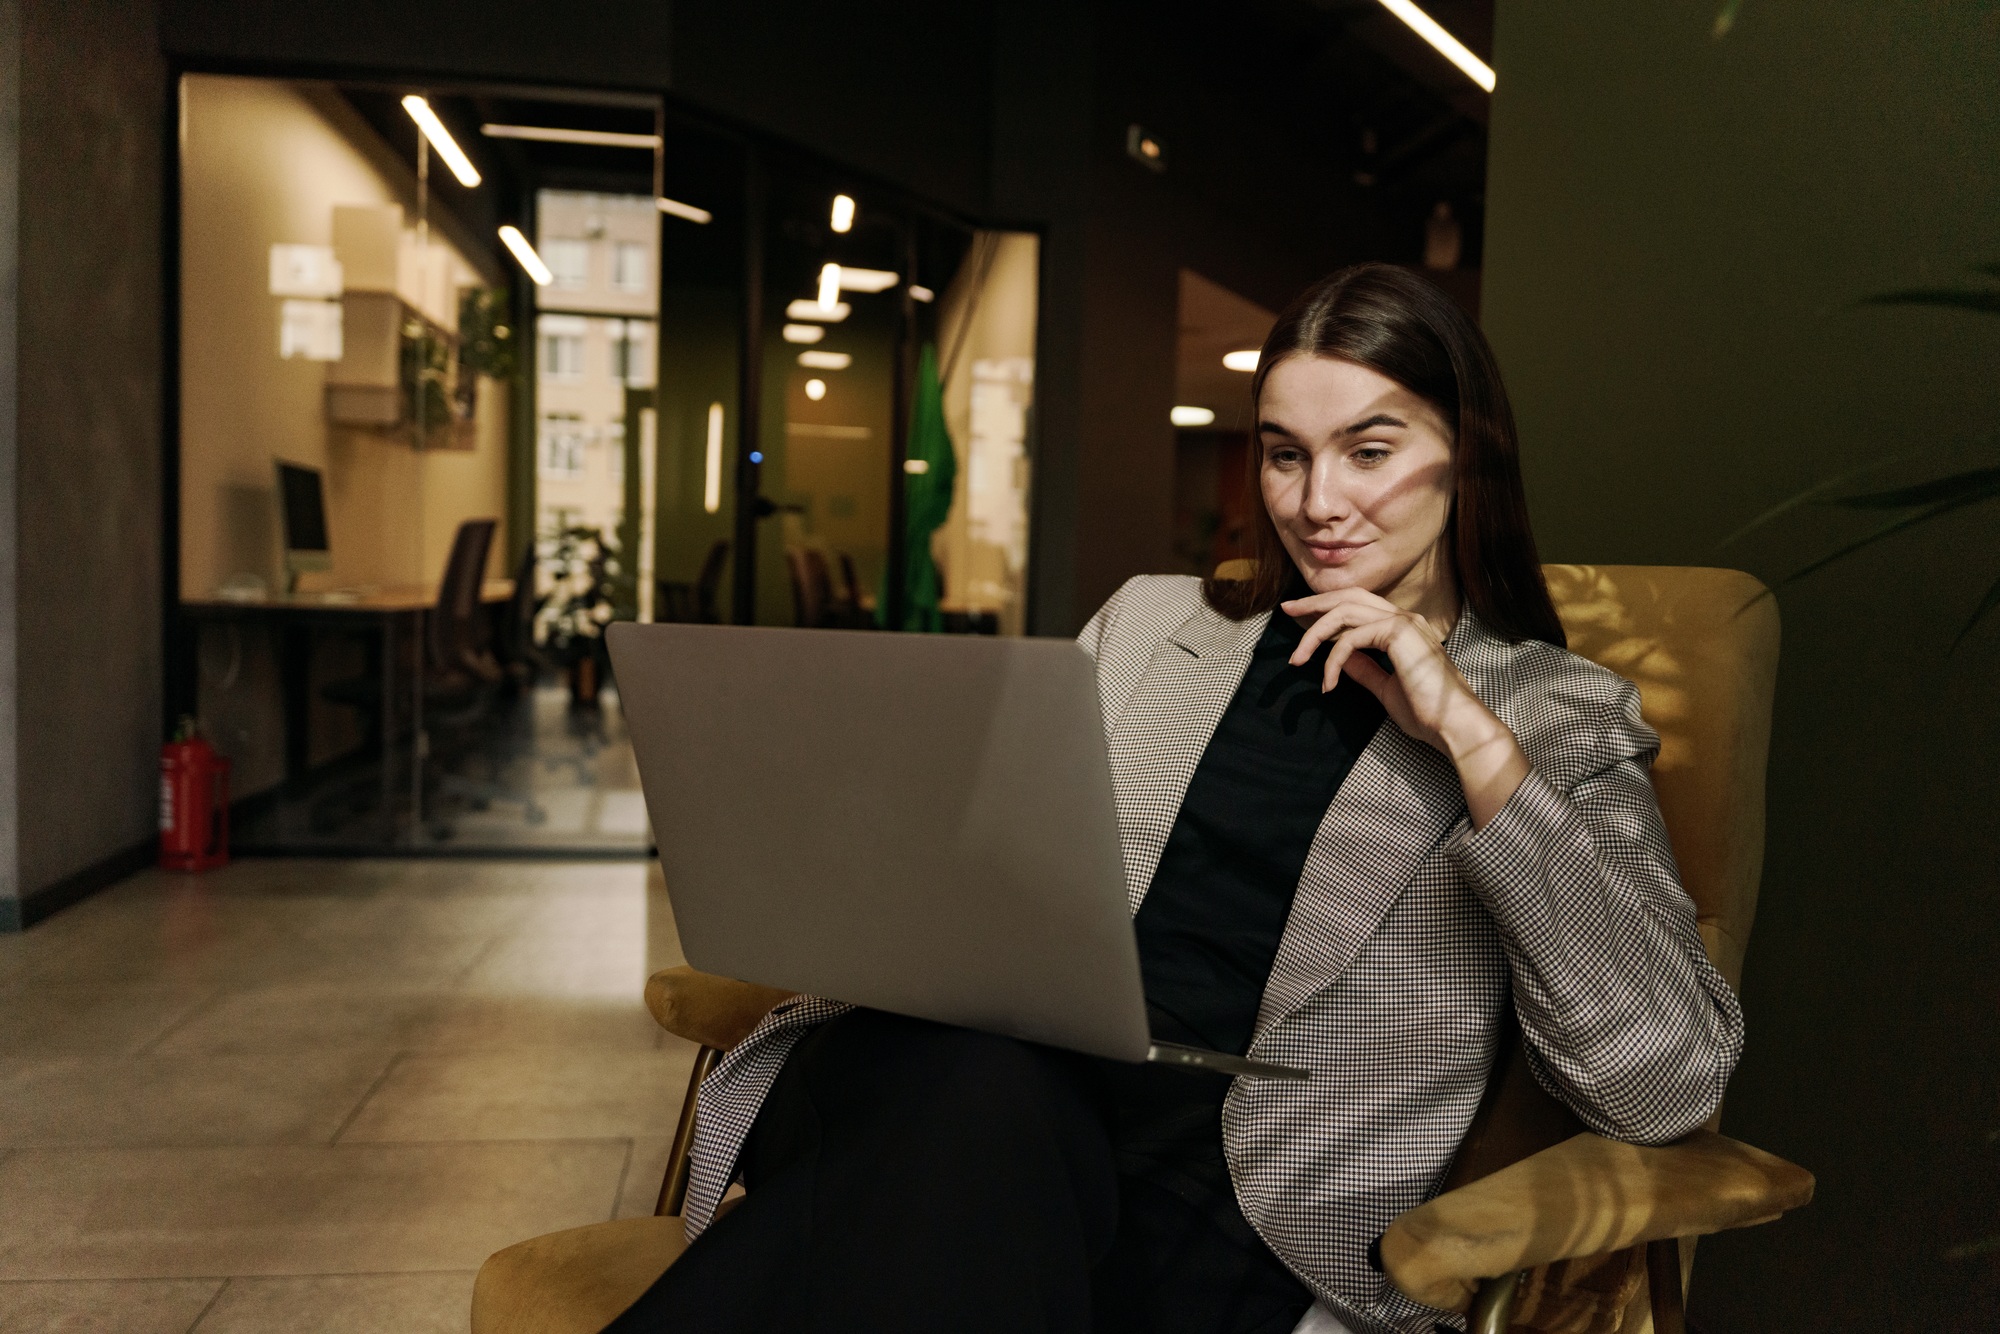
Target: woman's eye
{"type": "Point", "coordinates": [1284, 457]}
{"type": "Point", "coordinates": [1368, 455]}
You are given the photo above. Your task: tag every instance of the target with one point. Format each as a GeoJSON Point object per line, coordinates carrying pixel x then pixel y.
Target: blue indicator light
{"type": "Point", "coordinates": [756, 456]}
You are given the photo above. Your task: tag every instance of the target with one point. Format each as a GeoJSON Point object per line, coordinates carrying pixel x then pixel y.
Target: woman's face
{"type": "Point", "coordinates": [1356, 475]}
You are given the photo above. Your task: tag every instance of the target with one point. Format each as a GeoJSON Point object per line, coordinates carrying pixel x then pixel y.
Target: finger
{"type": "Point", "coordinates": [1370, 635]}
{"type": "Point", "coordinates": [1319, 632]}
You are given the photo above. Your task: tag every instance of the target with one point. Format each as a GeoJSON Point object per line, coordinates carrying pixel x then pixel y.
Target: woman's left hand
{"type": "Point", "coordinates": [1424, 696]}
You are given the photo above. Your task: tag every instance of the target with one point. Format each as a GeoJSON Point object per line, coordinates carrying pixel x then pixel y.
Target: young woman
{"type": "Point", "coordinates": [1368, 804]}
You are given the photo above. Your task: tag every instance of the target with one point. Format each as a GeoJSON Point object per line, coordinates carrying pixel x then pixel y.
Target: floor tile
{"type": "Point", "coordinates": [295, 1097]}
{"type": "Point", "coordinates": [108, 1019]}
{"type": "Point", "coordinates": [351, 1209]}
{"type": "Point", "coordinates": [347, 1304]}
{"type": "Point", "coordinates": [149, 1307]}
{"type": "Point", "coordinates": [547, 1093]}
{"type": "Point", "coordinates": [640, 1193]}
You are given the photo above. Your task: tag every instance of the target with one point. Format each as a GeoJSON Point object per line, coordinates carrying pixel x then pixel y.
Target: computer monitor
{"type": "Point", "coordinates": [302, 506]}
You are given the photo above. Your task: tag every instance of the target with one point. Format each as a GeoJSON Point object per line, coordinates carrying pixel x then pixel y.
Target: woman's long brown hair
{"type": "Point", "coordinates": [1394, 322]}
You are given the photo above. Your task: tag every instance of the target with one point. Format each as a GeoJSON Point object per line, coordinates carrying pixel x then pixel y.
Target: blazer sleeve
{"type": "Point", "coordinates": [1625, 1019]}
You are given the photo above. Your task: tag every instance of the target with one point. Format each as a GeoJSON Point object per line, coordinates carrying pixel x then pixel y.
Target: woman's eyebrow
{"type": "Point", "coordinates": [1368, 423]}
{"type": "Point", "coordinates": [1276, 428]}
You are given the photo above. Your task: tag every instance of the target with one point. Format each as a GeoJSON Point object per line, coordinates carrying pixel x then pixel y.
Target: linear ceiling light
{"type": "Point", "coordinates": [813, 310]}
{"type": "Point", "coordinates": [866, 280]}
{"type": "Point", "coordinates": [1245, 360]}
{"type": "Point", "coordinates": [1191, 416]}
{"type": "Point", "coordinates": [524, 252]}
{"type": "Point", "coordinates": [680, 210]}
{"type": "Point", "coordinates": [824, 361]}
{"type": "Point", "coordinates": [446, 146]}
{"type": "Point", "coordinates": [921, 293]}
{"type": "Point", "coordinates": [829, 285]}
{"type": "Point", "coordinates": [550, 134]}
{"type": "Point", "coordinates": [843, 213]}
{"type": "Point", "coordinates": [804, 333]}
{"type": "Point", "coordinates": [1448, 46]}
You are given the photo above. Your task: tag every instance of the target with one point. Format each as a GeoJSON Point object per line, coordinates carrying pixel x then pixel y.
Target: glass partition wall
{"type": "Point", "coordinates": [534, 363]}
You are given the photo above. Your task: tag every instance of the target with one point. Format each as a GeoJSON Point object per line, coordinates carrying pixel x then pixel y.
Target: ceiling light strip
{"type": "Point", "coordinates": [1448, 46]}
{"type": "Point", "coordinates": [552, 134]}
{"type": "Point", "coordinates": [446, 146]}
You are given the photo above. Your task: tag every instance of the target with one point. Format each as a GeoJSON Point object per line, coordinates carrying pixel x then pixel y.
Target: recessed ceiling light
{"type": "Point", "coordinates": [813, 310]}
{"type": "Point", "coordinates": [551, 134]}
{"type": "Point", "coordinates": [510, 235]}
{"type": "Point", "coordinates": [843, 213]}
{"type": "Point", "coordinates": [680, 210]}
{"type": "Point", "coordinates": [829, 284]}
{"type": "Point", "coordinates": [1448, 46]}
{"type": "Point", "coordinates": [447, 147]}
{"type": "Point", "coordinates": [815, 390]}
{"type": "Point", "coordinates": [804, 333]}
{"type": "Point", "coordinates": [1245, 360]}
{"type": "Point", "coordinates": [921, 293]}
{"type": "Point", "coordinates": [1190, 416]}
{"type": "Point", "coordinates": [824, 361]}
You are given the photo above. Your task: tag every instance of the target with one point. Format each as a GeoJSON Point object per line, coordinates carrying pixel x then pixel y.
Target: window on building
{"type": "Point", "coordinates": [631, 355]}
{"type": "Point", "coordinates": [563, 441]}
{"type": "Point", "coordinates": [628, 267]}
{"type": "Point", "coordinates": [569, 261]}
{"type": "Point", "coordinates": [562, 346]}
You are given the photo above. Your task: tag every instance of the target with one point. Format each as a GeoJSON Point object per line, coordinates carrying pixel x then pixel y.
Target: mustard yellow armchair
{"type": "Point", "coordinates": [1539, 1225]}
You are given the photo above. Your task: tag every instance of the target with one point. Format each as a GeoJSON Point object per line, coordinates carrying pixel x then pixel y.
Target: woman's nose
{"type": "Point", "coordinates": [1325, 501]}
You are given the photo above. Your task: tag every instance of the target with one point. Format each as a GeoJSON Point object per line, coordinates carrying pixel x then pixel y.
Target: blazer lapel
{"type": "Point", "coordinates": [1158, 738]}
{"type": "Point", "coordinates": [1400, 800]}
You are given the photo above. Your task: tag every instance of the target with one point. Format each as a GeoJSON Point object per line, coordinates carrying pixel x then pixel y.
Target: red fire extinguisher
{"type": "Point", "coordinates": [194, 803]}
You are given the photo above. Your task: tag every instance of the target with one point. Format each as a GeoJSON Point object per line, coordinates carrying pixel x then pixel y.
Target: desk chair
{"type": "Point", "coordinates": [697, 602]}
{"type": "Point", "coordinates": [1538, 1225]}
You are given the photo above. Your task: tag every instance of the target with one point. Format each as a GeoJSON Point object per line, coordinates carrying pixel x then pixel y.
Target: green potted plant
{"type": "Point", "coordinates": [578, 565]}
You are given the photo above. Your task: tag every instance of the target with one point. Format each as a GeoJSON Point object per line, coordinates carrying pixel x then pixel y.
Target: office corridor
{"type": "Point", "coordinates": [312, 1096]}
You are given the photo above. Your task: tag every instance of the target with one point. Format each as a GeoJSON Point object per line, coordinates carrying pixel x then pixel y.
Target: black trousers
{"type": "Point", "coordinates": [907, 1176]}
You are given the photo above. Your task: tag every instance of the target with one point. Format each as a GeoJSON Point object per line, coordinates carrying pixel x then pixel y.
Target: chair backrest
{"type": "Point", "coordinates": [454, 630]}
{"type": "Point", "coordinates": [709, 582]}
{"type": "Point", "coordinates": [1702, 646]}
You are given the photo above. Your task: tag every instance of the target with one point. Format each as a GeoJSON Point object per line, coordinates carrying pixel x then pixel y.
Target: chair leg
{"type": "Point", "coordinates": [1663, 1277]}
{"type": "Point", "coordinates": [674, 1187]}
{"type": "Point", "coordinates": [1493, 1305]}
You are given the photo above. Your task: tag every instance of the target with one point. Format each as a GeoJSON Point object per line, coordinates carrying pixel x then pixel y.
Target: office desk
{"type": "Point", "coordinates": [387, 606]}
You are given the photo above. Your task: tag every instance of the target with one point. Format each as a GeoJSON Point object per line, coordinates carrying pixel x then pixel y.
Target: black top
{"type": "Point", "coordinates": [1209, 928]}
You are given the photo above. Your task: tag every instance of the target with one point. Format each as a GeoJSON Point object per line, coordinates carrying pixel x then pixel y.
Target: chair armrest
{"type": "Point", "coordinates": [712, 1011]}
{"type": "Point", "coordinates": [1586, 1196]}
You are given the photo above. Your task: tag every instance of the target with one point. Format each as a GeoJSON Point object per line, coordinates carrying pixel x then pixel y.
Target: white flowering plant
{"type": "Point", "coordinates": [577, 565]}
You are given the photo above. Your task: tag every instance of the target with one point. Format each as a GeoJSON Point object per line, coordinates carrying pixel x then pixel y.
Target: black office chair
{"type": "Point", "coordinates": [812, 590]}
{"type": "Point", "coordinates": [681, 601]}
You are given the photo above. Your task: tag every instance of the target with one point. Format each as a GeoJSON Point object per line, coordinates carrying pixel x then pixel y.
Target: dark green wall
{"type": "Point", "coordinates": [1678, 228]}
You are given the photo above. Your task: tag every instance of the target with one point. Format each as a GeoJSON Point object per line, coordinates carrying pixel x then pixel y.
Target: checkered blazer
{"type": "Point", "coordinates": [1409, 934]}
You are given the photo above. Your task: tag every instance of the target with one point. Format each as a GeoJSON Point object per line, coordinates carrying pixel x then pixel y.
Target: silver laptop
{"type": "Point", "coordinates": [915, 823]}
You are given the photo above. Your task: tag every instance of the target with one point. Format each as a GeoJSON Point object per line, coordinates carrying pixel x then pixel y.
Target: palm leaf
{"type": "Point", "coordinates": [1953, 298]}
{"type": "Point", "coordinates": [1963, 487]}
{"type": "Point", "coordinates": [1887, 530]}
{"type": "Point", "coordinates": [1809, 495]}
{"type": "Point", "coordinates": [1986, 604]}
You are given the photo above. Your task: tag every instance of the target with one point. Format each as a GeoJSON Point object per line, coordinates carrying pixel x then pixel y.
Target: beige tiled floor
{"type": "Point", "coordinates": [312, 1096]}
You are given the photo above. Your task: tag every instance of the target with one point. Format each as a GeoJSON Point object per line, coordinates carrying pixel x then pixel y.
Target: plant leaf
{"type": "Point", "coordinates": [1886, 530]}
{"type": "Point", "coordinates": [1979, 613]}
{"type": "Point", "coordinates": [1954, 298]}
{"type": "Point", "coordinates": [1964, 487]}
{"type": "Point", "coordinates": [1811, 493]}
{"type": "Point", "coordinates": [1725, 19]}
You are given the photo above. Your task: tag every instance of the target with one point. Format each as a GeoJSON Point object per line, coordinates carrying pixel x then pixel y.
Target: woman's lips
{"type": "Point", "coordinates": [1334, 553]}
